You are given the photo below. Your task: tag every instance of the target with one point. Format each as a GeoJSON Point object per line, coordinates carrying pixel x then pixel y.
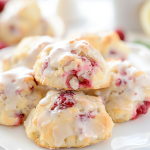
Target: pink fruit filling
{"type": "Point", "coordinates": [118, 82]}
{"type": "Point", "coordinates": [83, 82]}
{"type": "Point", "coordinates": [123, 72]}
{"type": "Point", "coordinates": [84, 117]}
{"type": "Point", "coordinates": [121, 34]}
{"type": "Point", "coordinates": [93, 63]}
{"type": "Point", "coordinates": [32, 89]}
{"type": "Point", "coordinates": [73, 51]}
{"type": "Point", "coordinates": [142, 109]}
{"type": "Point", "coordinates": [65, 100]}
{"type": "Point", "coordinates": [18, 92]}
{"type": "Point", "coordinates": [113, 52]}
{"type": "Point", "coordinates": [15, 30]}
{"type": "Point", "coordinates": [20, 118]}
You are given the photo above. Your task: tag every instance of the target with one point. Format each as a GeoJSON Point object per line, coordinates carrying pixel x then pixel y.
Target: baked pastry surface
{"type": "Point", "coordinates": [26, 52]}
{"type": "Point", "coordinates": [72, 65]}
{"type": "Point", "coordinates": [68, 119]}
{"type": "Point", "coordinates": [129, 93]}
{"type": "Point", "coordinates": [19, 93]}
{"type": "Point", "coordinates": [20, 19]}
{"type": "Point", "coordinates": [107, 43]}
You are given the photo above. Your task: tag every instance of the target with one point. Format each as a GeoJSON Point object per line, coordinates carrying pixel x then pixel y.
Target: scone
{"type": "Point", "coordinates": [26, 52]}
{"type": "Point", "coordinates": [72, 65]}
{"type": "Point", "coordinates": [129, 93]}
{"type": "Point", "coordinates": [107, 43]}
{"type": "Point", "coordinates": [19, 94]}
{"type": "Point", "coordinates": [22, 18]}
{"type": "Point", "coordinates": [68, 119]}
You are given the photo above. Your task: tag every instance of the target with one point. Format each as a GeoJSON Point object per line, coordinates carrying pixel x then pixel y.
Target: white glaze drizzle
{"type": "Point", "coordinates": [13, 82]}
{"type": "Point", "coordinates": [60, 132]}
{"type": "Point", "coordinates": [63, 49]}
{"type": "Point", "coordinates": [132, 86]}
{"type": "Point", "coordinates": [36, 45]}
{"type": "Point", "coordinates": [65, 126]}
{"type": "Point", "coordinates": [45, 100]}
{"type": "Point", "coordinates": [87, 128]}
{"type": "Point", "coordinates": [130, 89]}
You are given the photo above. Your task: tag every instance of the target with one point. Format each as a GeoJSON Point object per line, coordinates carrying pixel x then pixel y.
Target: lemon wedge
{"type": "Point", "coordinates": [145, 17]}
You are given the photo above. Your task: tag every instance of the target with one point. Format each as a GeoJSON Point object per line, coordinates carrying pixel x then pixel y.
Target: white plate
{"type": "Point", "coordinates": [15, 138]}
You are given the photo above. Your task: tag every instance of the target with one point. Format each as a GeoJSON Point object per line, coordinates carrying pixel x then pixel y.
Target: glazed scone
{"type": "Point", "coordinates": [19, 94]}
{"type": "Point", "coordinates": [107, 43]}
{"type": "Point", "coordinates": [72, 65]}
{"type": "Point", "coordinates": [68, 119]}
{"type": "Point", "coordinates": [129, 93]}
{"type": "Point", "coordinates": [26, 52]}
{"type": "Point", "coordinates": [22, 18]}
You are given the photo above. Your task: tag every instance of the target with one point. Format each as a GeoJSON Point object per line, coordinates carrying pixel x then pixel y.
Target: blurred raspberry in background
{"type": "Point", "coordinates": [3, 45]}
{"type": "Point", "coordinates": [2, 4]}
{"type": "Point", "coordinates": [121, 34]}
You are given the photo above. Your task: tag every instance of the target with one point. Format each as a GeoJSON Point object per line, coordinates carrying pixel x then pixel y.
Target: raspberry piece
{"type": "Point", "coordinates": [55, 105]}
{"type": "Point", "coordinates": [91, 115]}
{"type": "Point", "coordinates": [3, 45]}
{"type": "Point", "coordinates": [125, 82]}
{"type": "Point", "coordinates": [121, 34]}
{"type": "Point", "coordinates": [142, 109]}
{"type": "Point", "coordinates": [84, 117]}
{"type": "Point", "coordinates": [64, 100]}
{"type": "Point", "coordinates": [32, 89]}
{"type": "Point", "coordinates": [123, 73]}
{"type": "Point", "coordinates": [74, 73]}
{"type": "Point", "coordinates": [93, 63]}
{"type": "Point", "coordinates": [70, 93]}
{"type": "Point", "coordinates": [113, 52]}
{"type": "Point", "coordinates": [20, 118]}
{"type": "Point", "coordinates": [132, 78]}
{"type": "Point", "coordinates": [18, 92]}
{"type": "Point", "coordinates": [118, 82]}
{"type": "Point", "coordinates": [2, 4]}
{"type": "Point", "coordinates": [83, 58]}
{"type": "Point", "coordinates": [85, 83]}
{"type": "Point", "coordinates": [73, 51]}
